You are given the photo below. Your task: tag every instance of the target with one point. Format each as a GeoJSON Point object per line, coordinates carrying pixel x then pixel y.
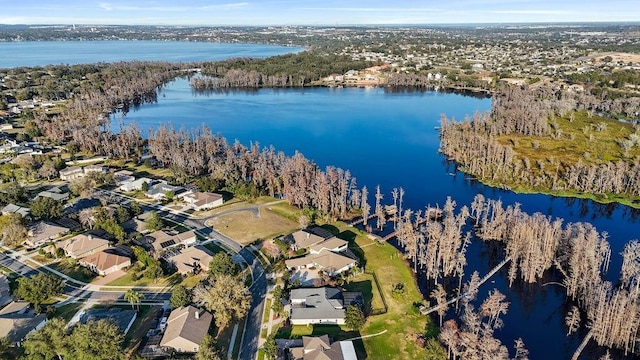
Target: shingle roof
{"type": "Point", "coordinates": [182, 324]}
{"type": "Point", "coordinates": [319, 303]}
{"type": "Point", "coordinates": [194, 254]}
{"type": "Point", "coordinates": [104, 261]}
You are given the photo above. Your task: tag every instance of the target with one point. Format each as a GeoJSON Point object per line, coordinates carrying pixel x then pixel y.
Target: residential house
{"type": "Point", "coordinates": [16, 209]}
{"type": "Point", "coordinates": [83, 245]}
{"type": "Point", "coordinates": [54, 193]}
{"type": "Point", "coordinates": [161, 240]}
{"type": "Point", "coordinates": [333, 244]}
{"type": "Point", "coordinates": [203, 200]}
{"type": "Point", "coordinates": [135, 185]}
{"type": "Point", "coordinates": [70, 173]}
{"type": "Point", "coordinates": [160, 191]}
{"type": "Point", "coordinates": [186, 327]}
{"type": "Point", "coordinates": [192, 258]}
{"type": "Point", "coordinates": [135, 225]}
{"type": "Point", "coordinates": [5, 290]}
{"type": "Point", "coordinates": [324, 305]}
{"type": "Point", "coordinates": [123, 318]}
{"type": "Point", "coordinates": [104, 263]}
{"type": "Point", "coordinates": [321, 348]}
{"type": "Point", "coordinates": [95, 169]}
{"type": "Point", "coordinates": [123, 177]}
{"type": "Point", "coordinates": [303, 239]}
{"type": "Point", "coordinates": [17, 320]}
{"type": "Point", "coordinates": [42, 232]}
{"type": "Point", "coordinates": [329, 262]}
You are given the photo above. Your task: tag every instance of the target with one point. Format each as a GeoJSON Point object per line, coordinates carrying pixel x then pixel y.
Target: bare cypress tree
{"type": "Point", "coordinates": [573, 320]}
{"type": "Point", "coordinates": [364, 205]}
{"type": "Point", "coordinates": [439, 295]}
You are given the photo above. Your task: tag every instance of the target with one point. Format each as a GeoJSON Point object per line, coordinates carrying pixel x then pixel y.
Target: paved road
{"type": "Point", "coordinates": [78, 292]}
{"type": "Point", "coordinates": [251, 335]}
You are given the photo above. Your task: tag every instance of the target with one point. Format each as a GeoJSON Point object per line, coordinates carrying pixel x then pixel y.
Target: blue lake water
{"type": "Point", "coordinates": [41, 53]}
{"type": "Point", "coordinates": [390, 139]}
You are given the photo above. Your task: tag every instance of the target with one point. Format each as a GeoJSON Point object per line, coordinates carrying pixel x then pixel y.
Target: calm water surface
{"type": "Point", "coordinates": [390, 139]}
{"type": "Point", "coordinates": [41, 53]}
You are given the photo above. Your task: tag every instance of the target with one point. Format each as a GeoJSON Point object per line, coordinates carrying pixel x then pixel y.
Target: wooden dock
{"type": "Point", "coordinates": [426, 311]}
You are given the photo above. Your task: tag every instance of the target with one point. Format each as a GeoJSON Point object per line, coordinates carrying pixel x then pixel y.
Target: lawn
{"type": "Point", "coordinates": [127, 280]}
{"type": "Point", "coordinates": [213, 248]}
{"type": "Point", "coordinates": [71, 268]}
{"type": "Point", "coordinates": [402, 317]}
{"type": "Point", "coordinates": [67, 311]}
{"type": "Point", "coordinates": [140, 326]}
{"type": "Point", "coordinates": [245, 227]}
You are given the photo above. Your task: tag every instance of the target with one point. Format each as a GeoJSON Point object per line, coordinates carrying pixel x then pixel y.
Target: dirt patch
{"type": "Point", "coordinates": [245, 227]}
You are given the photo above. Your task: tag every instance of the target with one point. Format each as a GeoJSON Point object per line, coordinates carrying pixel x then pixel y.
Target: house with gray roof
{"type": "Point", "coordinates": [186, 327]}
{"type": "Point", "coordinates": [42, 232]}
{"type": "Point", "coordinates": [16, 209]}
{"type": "Point", "coordinates": [17, 320]}
{"type": "Point", "coordinates": [160, 190]}
{"type": "Point", "coordinates": [323, 305]}
{"type": "Point", "coordinates": [123, 318]}
{"type": "Point", "coordinates": [321, 348]}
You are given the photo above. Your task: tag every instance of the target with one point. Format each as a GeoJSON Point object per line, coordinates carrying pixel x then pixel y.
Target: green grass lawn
{"type": "Point", "coordinates": [67, 311]}
{"type": "Point", "coordinates": [128, 280]}
{"type": "Point", "coordinates": [402, 317]}
{"type": "Point", "coordinates": [213, 248]}
{"type": "Point", "coordinates": [71, 268]}
{"type": "Point", "coordinates": [267, 310]}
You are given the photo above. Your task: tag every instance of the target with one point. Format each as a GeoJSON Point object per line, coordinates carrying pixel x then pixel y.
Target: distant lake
{"type": "Point", "coordinates": [391, 139]}
{"type": "Point", "coordinates": [41, 53]}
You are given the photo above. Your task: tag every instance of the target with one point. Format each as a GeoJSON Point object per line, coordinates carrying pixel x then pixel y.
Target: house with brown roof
{"type": "Point", "coordinates": [203, 200]}
{"type": "Point", "coordinates": [192, 258]}
{"type": "Point", "coordinates": [104, 263]}
{"type": "Point", "coordinates": [161, 240]}
{"type": "Point", "coordinates": [328, 261]}
{"type": "Point", "coordinates": [43, 232]}
{"type": "Point", "coordinates": [83, 245]}
{"type": "Point", "coordinates": [303, 239]}
{"type": "Point", "coordinates": [321, 348]}
{"type": "Point", "coordinates": [186, 327]}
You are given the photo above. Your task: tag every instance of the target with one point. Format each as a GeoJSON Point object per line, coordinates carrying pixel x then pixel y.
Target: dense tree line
{"type": "Point", "coordinates": [535, 244]}
{"type": "Point", "coordinates": [297, 179]}
{"type": "Point", "coordinates": [291, 70]}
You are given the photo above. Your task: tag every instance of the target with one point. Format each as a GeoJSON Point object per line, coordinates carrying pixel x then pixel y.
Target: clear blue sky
{"type": "Point", "coordinates": [312, 12]}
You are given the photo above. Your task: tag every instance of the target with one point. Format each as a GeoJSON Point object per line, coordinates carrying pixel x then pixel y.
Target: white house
{"type": "Point", "coordinates": [203, 200]}
{"type": "Point", "coordinates": [134, 185]}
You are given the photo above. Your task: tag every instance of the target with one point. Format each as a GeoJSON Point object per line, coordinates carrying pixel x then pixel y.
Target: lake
{"type": "Point", "coordinates": [391, 139]}
{"type": "Point", "coordinates": [41, 53]}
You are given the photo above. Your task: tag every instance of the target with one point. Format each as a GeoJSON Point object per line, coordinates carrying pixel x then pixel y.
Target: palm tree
{"type": "Point", "coordinates": [133, 297]}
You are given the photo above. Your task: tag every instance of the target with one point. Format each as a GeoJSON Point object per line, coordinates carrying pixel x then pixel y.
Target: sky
{"type": "Point", "coordinates": [313, 12]}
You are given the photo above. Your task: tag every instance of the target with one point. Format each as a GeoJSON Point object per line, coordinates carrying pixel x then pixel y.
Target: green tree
{"type": "Point", "coordinates": [113, 228]}
{"type": "Point", "coordinates": [354, 318]}
{"type": "Point", "coordinates": [277, 306]}
{"type": "Point", "coordinates": [38, 288]}
{"type": "Point", "coordinates": [145, 186]}
{"type": "Point", "coordinates": [434, 350]}
{"type": "Point", "coordinates": [221, 264]}
{"type": "Point", "coordinates": [96, 340]}
{"type": "Point", "coordinates": [135, 209]}
{"type": "Point", "coordinates": [49, 342]}
{"type": "Point", "coordinates": [154, 222]}
{"type": "Point", "coordinates": [133, 297]}
{"type": "Point", "coordinates": [153, 272]}
{"type": "Point", "coordinates": [122, 214]}
{"type": "Point", "coordinates": [5, 347]}
{"type": "Point", "coordinates": [180, 296]}
{"type": "Point", "coordinates": [228, 299]}
{"type": "Point", "coordinates": [46, 208]}
{"type": "Point", "coordinates": [12, 229]}
{"type": "Point", "coordinates": [270, 347]}
{"type": "Point", "coordinates": [169, 195]}
{"type": "Point", "coordinates": [208, 349]}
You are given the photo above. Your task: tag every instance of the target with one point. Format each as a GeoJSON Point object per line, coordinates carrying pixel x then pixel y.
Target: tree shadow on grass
{"type": "Point", "coordinates": [332, 229]}
{"type": "Point", "coordinates": [366, 288]}
{"type": "Point", "coordinates": [350, 236]}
